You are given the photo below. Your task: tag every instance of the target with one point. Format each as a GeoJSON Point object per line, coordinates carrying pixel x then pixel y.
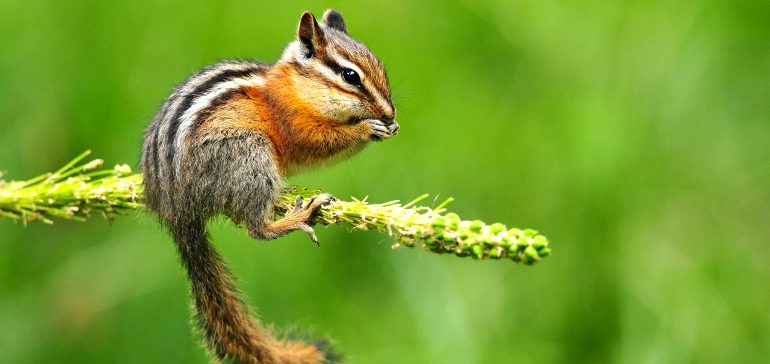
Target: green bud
{"type": "Point", "coordinates": [447, 237]}
{"type": "Point", "coordinates": [539, 242]}
{"type": "Point", "coordinates": [530, 232]}
{"type": "Point", "coordinates": [546, 251]}
{"type": "Point", "coordinates": [470, 242]}
{"type": "Point", "coordinates": [531, 252]}
{"type": "Point", "coordinates": [431, 242]}
{"type": "Point", "coordinates": [496, 228]}
{"type": "Point", "coordinates": [405, 240]}
{"type": "Point", "coordinates": [522, 243]}
{"type": "Point", "coordinates": [438, 222]}
{"type": "Point", "coordinates": [452, 217]}
{"type": "Point", "coordinates": [496, 253]}
{"type": "Point", "coordinates": [477, 251]}
{"type": "Point", "coordinates": [122, 169]}
{"type": "Point", "coordinates": [476, 226]}
{"type": "Point", "coordinates": [530, 255]}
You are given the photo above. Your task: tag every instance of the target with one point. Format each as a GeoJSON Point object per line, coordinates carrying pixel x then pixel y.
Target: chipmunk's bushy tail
{"type": "Point", "coordinates": [228, 329]}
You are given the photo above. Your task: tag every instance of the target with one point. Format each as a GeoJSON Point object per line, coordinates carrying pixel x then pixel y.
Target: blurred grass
{"type": "Point", "coordinates": [642, 127]}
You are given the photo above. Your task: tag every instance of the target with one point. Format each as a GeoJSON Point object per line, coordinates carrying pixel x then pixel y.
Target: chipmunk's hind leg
{"type": "Point", "coordinates": [298, 218]}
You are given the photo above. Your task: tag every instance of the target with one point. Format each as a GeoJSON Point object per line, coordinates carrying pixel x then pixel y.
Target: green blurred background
{"type": "Point", "coordinates": [634, 134]}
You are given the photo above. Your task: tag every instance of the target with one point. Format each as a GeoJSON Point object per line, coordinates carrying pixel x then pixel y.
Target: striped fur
{"type": "Point", "coordinates": [159, 152]}
{"type": "Point", "coordinates": [224, 140]}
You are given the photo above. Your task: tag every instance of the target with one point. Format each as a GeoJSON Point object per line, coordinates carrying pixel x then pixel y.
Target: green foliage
{"type": "Point", "coordinates": [73, 192]}
{"type": "Point", "coordinates": [430, 227]}
{"type": "Point", "coordinates": [77, 190]}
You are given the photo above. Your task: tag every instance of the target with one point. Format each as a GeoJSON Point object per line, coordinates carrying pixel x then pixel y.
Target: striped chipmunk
{"type": "Point", "coordinates": [223, 142]}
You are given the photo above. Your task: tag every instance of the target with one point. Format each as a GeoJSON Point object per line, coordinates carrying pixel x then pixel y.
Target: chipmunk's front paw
{"type": "Point", "coordinates": [382, 130]}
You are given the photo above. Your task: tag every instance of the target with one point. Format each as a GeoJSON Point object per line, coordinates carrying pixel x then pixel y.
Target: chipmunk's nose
{"type": "Point", "coordinates": [392, 126]}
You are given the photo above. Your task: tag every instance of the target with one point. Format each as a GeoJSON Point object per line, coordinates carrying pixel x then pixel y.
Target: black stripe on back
{"type": "Point", "coordinates": [189, 98]}
{"type": "Point", "coordinates": [150, 169]}
{"type": "Point", "coordinates": [154, 145]}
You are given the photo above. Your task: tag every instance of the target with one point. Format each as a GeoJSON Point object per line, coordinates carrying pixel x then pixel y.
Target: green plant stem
{"type": "Point", "coordinates": [76, 191]}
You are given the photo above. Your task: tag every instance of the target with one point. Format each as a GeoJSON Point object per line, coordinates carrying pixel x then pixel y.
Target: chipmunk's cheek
{"type": "Point", "coordinates": [337, 108]}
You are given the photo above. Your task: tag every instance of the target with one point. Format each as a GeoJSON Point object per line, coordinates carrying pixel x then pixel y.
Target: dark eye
{"type": "Point", "coordinates": [351, 77]}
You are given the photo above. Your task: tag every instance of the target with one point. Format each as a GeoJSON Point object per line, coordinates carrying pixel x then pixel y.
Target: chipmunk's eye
{"type": "Point", "coordinates": [351, 77]}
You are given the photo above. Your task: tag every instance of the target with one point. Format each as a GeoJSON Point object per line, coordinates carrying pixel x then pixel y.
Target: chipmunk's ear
{"type": "Point", "coordinates": [333, 19]}
{"type": "Point", "coordinates": [309, 33]}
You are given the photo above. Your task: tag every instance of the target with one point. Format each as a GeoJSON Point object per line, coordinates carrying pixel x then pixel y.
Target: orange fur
{"type": "Point", "coordinates": [299, 353]}
{"type": "Point", "coordinates": [307, 136]}
{"type": "Point", "coordinates": [301, 137]}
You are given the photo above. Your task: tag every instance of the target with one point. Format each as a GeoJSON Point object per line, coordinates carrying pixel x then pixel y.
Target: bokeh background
{"type": "Point", "coordinates": [634, 134]}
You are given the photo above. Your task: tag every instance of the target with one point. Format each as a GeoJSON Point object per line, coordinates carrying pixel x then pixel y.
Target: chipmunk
{"type": "Point", "coordinates": [223, 142]}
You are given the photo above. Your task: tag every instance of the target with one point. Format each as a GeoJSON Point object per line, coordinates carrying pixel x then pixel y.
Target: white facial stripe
{"type": "Point", "coordinates": [294, 51]}
{"type": "Point", "coordinates": [345, 63]}
{"type": "Point", "coordinates": [381, 101]}
{"type": "Point", "coordinates": [204, 101]}
{"type": "Point", "coordinates": [324, 70]}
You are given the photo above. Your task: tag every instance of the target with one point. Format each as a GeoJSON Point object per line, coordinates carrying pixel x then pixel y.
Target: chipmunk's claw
{"type": "Point", "coordinates": [311, 208]}
{"type": "Point", "coordinates": [382, 130]}
{"type": "Point", "coordinates": [309, 230]}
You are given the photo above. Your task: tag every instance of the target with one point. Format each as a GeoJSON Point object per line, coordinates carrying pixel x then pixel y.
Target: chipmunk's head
{"type": "Point", "coordinates": [335, 74]}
